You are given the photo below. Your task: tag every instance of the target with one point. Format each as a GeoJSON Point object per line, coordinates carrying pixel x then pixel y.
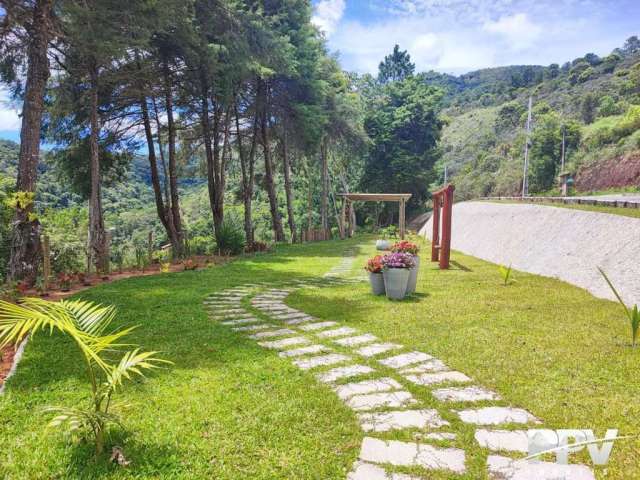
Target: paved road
{"type": "Point", "coordinates": [626, 197]}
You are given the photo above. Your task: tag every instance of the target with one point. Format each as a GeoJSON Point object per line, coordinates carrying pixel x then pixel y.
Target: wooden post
{"type": "Point", "coordinates": [350, 233]}
{"type": "Point", "coordinates": [435, 237]}
{"type": "Point", "coordinates": [401, 219]}
{"type": "Point", "coordinates": [343, 214]}
{"type": "Point", "coordinates": [445, 243]}
{"type": "Point", "coordinates": [46, 263]}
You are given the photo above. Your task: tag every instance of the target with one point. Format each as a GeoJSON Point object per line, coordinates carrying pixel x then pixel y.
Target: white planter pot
{"type": "Point", "coordinates": [413, 276]}
{"type": "Point", "coordinates": [376, 280]}
{"type": "Point", "coordinates": [383, 244]}
{"type": "Point", "coordinates": [395, 282]}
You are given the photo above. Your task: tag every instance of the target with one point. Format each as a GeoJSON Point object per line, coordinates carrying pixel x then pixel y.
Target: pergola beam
{"type": "Point", "coordinates": [401, 198]}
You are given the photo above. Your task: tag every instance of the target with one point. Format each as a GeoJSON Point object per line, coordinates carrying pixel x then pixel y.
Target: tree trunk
{"type": "Point", "coordinates": [164, 213]}
{"type": "Point", "coordinates": [287, 187]}
{"type": "Point", "coordinates": [178, 243]}
{"type": "Point", "coordinates": [247, 166]}
{"type": "Point", "coordinates": [25, 243]}
{"type": "Point", "coordinates": [278, 232]}
{"type": "Point", "coordinates": [165, 172]}
{"type": "Point", "coordinates": [97, 234]}
{"type": "Point", "coordinates": [324, 178]}
{"type": "Point", "coordinates": [309, 204]}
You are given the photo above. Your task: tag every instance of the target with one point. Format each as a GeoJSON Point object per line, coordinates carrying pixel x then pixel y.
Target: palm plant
{"type": "Point", "coordinates": [86, 324]}
{"type": "Point", "coordinates": [632, 313]}
{"type": "Point", "coordinates": [506, 273]}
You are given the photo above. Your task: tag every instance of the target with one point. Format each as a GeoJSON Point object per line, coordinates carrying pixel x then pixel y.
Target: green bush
{"type": "Point", "coordinates": [230, 238]}
{"type": "Point", "coordinates": [202, 245]}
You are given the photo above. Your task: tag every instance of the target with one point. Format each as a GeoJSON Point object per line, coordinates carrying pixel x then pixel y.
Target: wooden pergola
{"type": "Point", "coordinates": [347, 206]}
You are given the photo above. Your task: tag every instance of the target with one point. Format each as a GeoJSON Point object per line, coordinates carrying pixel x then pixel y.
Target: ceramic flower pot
{"type": "Point", "coordinates": [377, 283]}
{"type": "Point", "coordinates": [383, 244]}
{"type": "Point", "coordinates": [413, 275]}
{"type": "Point", "coordinates": [395, 282]}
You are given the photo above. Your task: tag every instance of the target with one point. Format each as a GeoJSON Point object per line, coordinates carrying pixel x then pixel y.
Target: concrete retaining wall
{"type": "Point", "coordinates": [556, 242]}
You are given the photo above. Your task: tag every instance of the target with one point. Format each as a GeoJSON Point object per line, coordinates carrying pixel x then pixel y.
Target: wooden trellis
{"type": "Point", "coordinates": [347, 206]}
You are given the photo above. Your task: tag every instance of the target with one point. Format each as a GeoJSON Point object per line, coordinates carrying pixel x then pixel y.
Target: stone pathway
{"type": "Point", "coordinates": [369, 376]}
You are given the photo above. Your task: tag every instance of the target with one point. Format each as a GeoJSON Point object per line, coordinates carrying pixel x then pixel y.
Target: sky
{"type": "Point", "coordinates": [455, 36]}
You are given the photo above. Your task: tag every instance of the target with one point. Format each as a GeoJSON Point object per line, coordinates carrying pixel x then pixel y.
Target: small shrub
{"type": "Point", "coordinates": [202, 245]}
{"type": "Point", "coordinates": [164, 267]}
{"type": "Point", "coordinates": [633, 314]}
{"type": "Point", "coordinates": [230, 238]}
{"type": "Point", "coordinates": [256, 246]}
{"type": "Point", "coordinates": [189, 265]}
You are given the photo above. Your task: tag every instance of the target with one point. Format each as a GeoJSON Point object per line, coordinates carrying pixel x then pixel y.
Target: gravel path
{"type": "Point", "coordinates": [555, 242]}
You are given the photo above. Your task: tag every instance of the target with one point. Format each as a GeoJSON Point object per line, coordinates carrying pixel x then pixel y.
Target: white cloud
{"type": "Point", "coordinates": [9, 119]}
{"type": "Point", "coordinates": [328, 14]}
{"type": "Point", "coordinates": [517, 29]}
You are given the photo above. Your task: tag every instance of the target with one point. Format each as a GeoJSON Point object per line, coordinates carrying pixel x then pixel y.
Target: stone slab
{"type": "Point", "coordinates": [253, 328]}
{"type": "Point", "coordinates": [407, 454]}
{"type": "Point", "coordinates": [344, 372]}
{"type": "Point", "coordinates": [284, 343]}
{"type": "Point", "coordinates": [504, 468]}
{"type": "Point", "coordinates": [310, 350]}
{"type": "Point", "coordinates": [241, 321]}
{"type": "Point", "coordinates": [427, 379]}
{"type": "Point", "coordinates": [299, 321]}
{"type": "Point", "coordinates": [367, 471]}
{"type": "Point", "coordinates": [465, 394]}
{"type": "Point", "coordinates": [317, 326]}
{"type": "Point", "coordinates": [367, 386]}
{"type": "Point", "coordinates": [496, 416]}
{"type": "Point", "coordinates": [405, 359]}
{"type": "Point", "coordinates": [272, 333]}
{"type": "Point", "coordinates": [338, 332]}
{"type": "Point", "coordinates": [357, 340]}
{"type": "Point", "coordinates": [430, 366]}
{"type": "Point", "coordinates": [321, 361]}
{"type": "Point", "coordinates": [374, 401]}
{"type": "Point", "coordinates": [401, 419]}
{"type": "Point", "coordinates": [376, 349]}
{"type": "Point", "coordinates": [508, 440]}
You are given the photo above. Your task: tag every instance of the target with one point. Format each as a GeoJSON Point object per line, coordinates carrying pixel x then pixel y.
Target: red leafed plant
{"type": "Point", "coordinates": [190, 265]}
{"type": "Point", "coordinates": [405, 246]}
{"type": "Point", "coordinates": [374, 265]}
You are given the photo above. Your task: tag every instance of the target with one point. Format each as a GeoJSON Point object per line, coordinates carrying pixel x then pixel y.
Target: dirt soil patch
{"type": "Point", "coordinates": [612, 173]}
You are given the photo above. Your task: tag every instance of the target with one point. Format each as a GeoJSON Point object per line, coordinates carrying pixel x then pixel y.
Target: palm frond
{"type": "Point", "coordinates": [132, 363]}
{"type": "Point", "coordinates": [78, 419]}
{"type": "Point", "coordinates": [615, 292]}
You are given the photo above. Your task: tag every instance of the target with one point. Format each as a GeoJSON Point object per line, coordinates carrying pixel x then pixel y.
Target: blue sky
{"type": "Point", "coordinates": [456, 36]}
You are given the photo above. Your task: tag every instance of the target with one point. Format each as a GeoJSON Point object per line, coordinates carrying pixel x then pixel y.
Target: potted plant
{"type": "Point", "coordinates": [396, 271]}
{"type": "Point", "coordinates": [374, 267]}
{"type": "Point", "coordinates": [412, 249]}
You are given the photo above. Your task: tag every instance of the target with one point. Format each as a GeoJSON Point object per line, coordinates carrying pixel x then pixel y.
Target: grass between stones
{"type": "Point", "coordinates": [230, 409]}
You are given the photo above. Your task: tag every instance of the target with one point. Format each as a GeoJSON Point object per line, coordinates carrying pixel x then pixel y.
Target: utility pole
{"type": "Point", "coordinates": [445, 174]}
{"type": "Point", "coordinates": [563, 151]}
{"type": "Point", "coordinates": [525, 179]}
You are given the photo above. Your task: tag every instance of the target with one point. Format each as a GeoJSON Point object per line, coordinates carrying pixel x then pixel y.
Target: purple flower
{"type": "Point", "coordinates": [398, 260]}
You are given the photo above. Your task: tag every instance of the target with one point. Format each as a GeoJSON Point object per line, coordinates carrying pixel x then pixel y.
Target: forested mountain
{"type": "Point", "coordinates": [595, 101]}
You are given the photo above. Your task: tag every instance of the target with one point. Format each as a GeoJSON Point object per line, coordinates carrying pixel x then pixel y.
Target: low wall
{"type": "Point", "coordinates": [556, 242]}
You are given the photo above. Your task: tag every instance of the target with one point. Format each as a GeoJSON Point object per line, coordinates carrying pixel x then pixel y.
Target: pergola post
{"type": "Point", "coordinates": [401, 220]}
{"type": "Point", "coordinates": [342, 220]}
{"type": "Point", "coordinates": [435, 236]}
{"type": "Point", "coordinates": [350, 204]}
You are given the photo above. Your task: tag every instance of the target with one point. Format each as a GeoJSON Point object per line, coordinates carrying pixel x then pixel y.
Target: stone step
{"type": "Point", "coordinates": [430, 366]}
{"type": "Point", "coordinates": [241, 321]}
{"type": "Point", "coordinates": [504, 468]}
{"type": "Point", "coordinates": [367, 471]}
{"type": "Point", "coordinates": [321, 361]}
{"type": "Point", "coordinates": [373, 401]}
{"type": "Point", "coordinates": [285, 343]}
{"type": "Point", "coordinates": [407, 454]}
{"type": "Point", "coordinates": [317, 326]}
{"type": "Point", "coordinates": [465, 394]}
{"type": "Point", "coordinates": [272, 334]}
{"type": "Point", "coordinates": [338, 332]}
{"type": "Point", "coordinates": [427, 379]}
{"type": "Point", "coordinates": [367, 386]}
{"type": "Point", "coordinates": [299, 321]}
{"type": "Point", "coordinates": [357, 340]}
{"type": "Point", "coordinates": [496, 416]}
{"type": "Point", "coordinates": [299, 352]}
{"type": "Point", "coordinates": [405, 359]}
{"type": "Point", "coordinates": [254, 328]}
{"type": "Point", "coordinates": [507, 440]}
{"type": "Point", "coordinates": [377, 348]}
{"type": "Point", "coordinates": [401, 419]}
{"type": "Point", "coordinates": [344, 372]}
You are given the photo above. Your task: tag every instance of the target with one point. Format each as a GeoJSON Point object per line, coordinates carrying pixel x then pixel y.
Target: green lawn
{"type": "Point", "coordinates": [228, 409]}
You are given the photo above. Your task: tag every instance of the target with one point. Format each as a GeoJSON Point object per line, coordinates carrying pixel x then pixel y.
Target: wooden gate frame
{"type": "Point", "coordinates": [442, 206]}
{"type": "Point", "coordinates": [347, 206]}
